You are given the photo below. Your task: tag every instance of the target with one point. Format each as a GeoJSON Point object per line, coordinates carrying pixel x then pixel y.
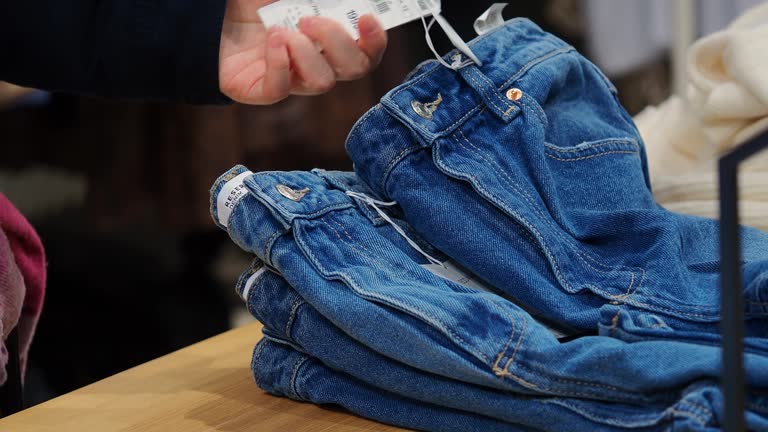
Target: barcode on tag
{"type": "Point", "coordinates": [381, 6]}
{"type": "Point", "coordinates": [391, 13]}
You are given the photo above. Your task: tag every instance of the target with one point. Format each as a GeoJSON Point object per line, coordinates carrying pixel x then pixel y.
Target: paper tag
{"type": "Point", "coordinates": [454, 273]}
{"type": "Point", "coordinates": [390, 13]}
{"type": "Point", "coordinates": [490, 19]}
{"type": "Point", "coordinates": [230, 194]}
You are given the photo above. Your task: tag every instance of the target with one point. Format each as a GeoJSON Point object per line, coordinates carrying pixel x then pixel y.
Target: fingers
{"type": "Point", "coordinates": [341, 52]}
{"type": "Point", "coordinates": [314, 74]}
{"type": "Point", "coordinates": [373, 39]}
{"type": "Point", "coordinates": [277, 78]}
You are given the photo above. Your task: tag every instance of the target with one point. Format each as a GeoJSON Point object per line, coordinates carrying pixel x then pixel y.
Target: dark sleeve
{"type": "Point", "coordinates": [155, 49]}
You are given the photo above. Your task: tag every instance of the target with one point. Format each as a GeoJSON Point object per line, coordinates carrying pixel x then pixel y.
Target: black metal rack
{"type": "Point", "coordinates": [731, 297]}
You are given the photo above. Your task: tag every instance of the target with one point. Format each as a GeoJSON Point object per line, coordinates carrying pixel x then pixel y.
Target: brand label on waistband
{"type": "Point", "coordinates": [453, 272]}
{"type": "Point", "coordinates": [390, 13]}
{"type": "Point", "coordinates": [230, 194]}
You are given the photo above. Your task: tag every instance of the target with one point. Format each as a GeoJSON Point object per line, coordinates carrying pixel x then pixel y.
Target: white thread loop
{"type": "Point", "coordinates": [453, 36]}
{"type": "Point", "coordinates": [374, 204]}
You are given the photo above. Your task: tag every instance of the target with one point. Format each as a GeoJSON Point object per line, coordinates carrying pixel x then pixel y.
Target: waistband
{"type": "Point", "coordinates": [435, 99]}
{"type": "Point", "coordinates": [507, 53]}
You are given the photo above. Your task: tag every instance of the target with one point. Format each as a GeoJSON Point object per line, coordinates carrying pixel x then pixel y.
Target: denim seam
{"type": "Point", "coordinates": [506, 373]}
{"type": "Point", "coordinates": [550, 390]}
{"type": "Point", "coordinates": [567, 241]}
{"type": "Point", "coordinates": [295, 376]}
{"type": "Point", "coordinates": [517, 347]}
{"type": "Point", "coordinates": [704, 410]}
{"type": "Point", "coordinates": [516, 187]}
{"type": "Point", "coordinates": [701, 420]}
{"type": "Point", "coordinates": [255, 360]}
{"type": "Point", "coordinates": [490, 97]}
{"type": "Point", "coordinates": [393, 163]}
{"type": "Point", "coordinates": [638, 420]}
{"type": "Point", "coordinates": [508, 179]}
{"type": "Point", "coordinates": [661, 308]}
{"type": "Point", "coordinates": [296, 215]}
{"type": "Point", "coordinates": [526, 67]}
{"type": "Point", "coordinates": [361, 121]}
{"type": "Point", "coordinates": [614, 324]}
{"type": "Point", "coordinates": [401, 305]}
{"type": "Point", "coordinates": [522, 221]}
{"type": "Point", "coordinates": [534, 106]}
{"type": "Point", "coordinates": [593, 144]}
{"type": "Point", "coordinates": [370, 256]}
{"type": "Point", "coordinates": [269, 245]}
{"type": "Point", "coordinates": [243, 278]}
{"type": "Point", "coordinates": [520, 71]}
{"type": "Point", "coordinates": [234, 209]}
{"type": "Point", "coordinates": [539, 373]}
{"type": "Point", "coordinates": [495, 366]}
{"type": "Point", "coordinates": [517, 75]}
{"type": "Point", "coordinates": [292, 316]}
{"type": "Point", "coordinates": [590, 156]}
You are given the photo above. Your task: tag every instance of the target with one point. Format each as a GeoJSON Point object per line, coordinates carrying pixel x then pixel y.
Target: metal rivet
{"type": "Point", "coordinates": [514, 94]}
{"type": "Point", "coordinates": [292, 194]}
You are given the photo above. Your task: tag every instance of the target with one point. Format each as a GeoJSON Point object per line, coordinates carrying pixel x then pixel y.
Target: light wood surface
{"type": "Point", "coordinates": [205, 387]}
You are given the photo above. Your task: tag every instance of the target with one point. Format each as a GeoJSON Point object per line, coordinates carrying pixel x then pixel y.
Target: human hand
{"type": "Point", "coordinates": [259, 66]}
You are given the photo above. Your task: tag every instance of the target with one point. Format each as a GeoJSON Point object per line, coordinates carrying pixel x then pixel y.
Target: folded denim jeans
{"type": "Point", "coordinates": [283, 371]}
{"type": "Point", "coordinates": [528, 172]}
{"type": "Point", "coordinates": [364, 278]}
{"type": "Point", "coordinates": [290, 320]}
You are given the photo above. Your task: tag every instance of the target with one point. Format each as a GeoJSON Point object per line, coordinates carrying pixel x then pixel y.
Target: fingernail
{"type": "Point", "coordinates": [368, 25]}
{"type": "Point", "coordinates": [307, 23]}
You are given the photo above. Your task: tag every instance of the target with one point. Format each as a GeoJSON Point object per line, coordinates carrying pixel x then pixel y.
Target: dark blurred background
{"type": "Point", "coordinates": [119, 193]}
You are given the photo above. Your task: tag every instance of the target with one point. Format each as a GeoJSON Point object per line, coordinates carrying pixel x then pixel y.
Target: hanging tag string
{"type": "Point", "coordinates": [453, 36]}
{"type": "Point", "coordinates": [374, 204]}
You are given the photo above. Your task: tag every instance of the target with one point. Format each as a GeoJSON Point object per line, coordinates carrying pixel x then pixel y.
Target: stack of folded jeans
{"type": "Point", "coordinates": [496, 261]}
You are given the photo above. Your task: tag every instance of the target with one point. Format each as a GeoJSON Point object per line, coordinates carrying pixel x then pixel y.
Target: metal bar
{"type": "Point", "coordinates": [731, 300]}
{"type": "Point", "coordinates": [731, 297]}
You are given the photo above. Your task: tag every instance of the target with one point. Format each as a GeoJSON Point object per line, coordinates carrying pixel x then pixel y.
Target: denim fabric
{"type": "Point", "coordinates": [546, 196]}
{"type": "Point", "coordinates": [284, 371]}
{"type": "Point", "coordinates": [371, 286]}
{"type": "Point", "coordinates": [289, 319]}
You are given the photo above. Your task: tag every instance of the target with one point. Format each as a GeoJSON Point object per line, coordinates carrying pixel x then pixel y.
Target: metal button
{"type": "Point", "coordinates": [514, 94]}
{"type": "Point", "coordinates": [292, 194]}
{"type": "Point", "coordinates": [425, 110]}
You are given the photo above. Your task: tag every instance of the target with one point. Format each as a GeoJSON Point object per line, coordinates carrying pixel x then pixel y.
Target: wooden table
{"type": "Point", "coordinates": [204, 387]}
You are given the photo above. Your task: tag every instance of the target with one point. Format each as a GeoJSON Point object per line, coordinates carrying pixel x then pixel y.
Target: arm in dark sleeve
{"type": "Point", "coordinates": [156, 49]}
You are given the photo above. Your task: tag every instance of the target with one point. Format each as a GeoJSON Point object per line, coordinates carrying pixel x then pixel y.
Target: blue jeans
{"type": "Point", "coordinates": [529, 173]}
{"type": "Point", "coordinates": [284, 371]}
{"type": "Point", "coordinates": [292, 322]}
{"type": "Point", "coordinates": [361, 275]}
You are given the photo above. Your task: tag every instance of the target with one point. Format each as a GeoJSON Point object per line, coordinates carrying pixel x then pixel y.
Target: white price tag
{"type": "Point", "coordinates": [390, 13]}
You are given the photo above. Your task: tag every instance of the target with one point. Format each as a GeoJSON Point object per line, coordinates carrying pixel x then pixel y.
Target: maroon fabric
{"type": "Point", "coordinates": [28, 258]}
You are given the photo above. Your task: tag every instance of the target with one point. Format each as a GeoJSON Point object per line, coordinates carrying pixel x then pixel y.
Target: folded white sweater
{"type": "Point", "coordinates": [726, 104]}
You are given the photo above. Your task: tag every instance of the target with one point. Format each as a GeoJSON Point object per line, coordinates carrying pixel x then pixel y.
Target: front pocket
{"type": "Point", "coordinates": [599, 176]}
{"type": "Point", "coordinates": [514, 179]}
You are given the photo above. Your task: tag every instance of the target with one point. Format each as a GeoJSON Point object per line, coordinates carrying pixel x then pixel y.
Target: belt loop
{"type": "Point", "coordinates": [505, 108]}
